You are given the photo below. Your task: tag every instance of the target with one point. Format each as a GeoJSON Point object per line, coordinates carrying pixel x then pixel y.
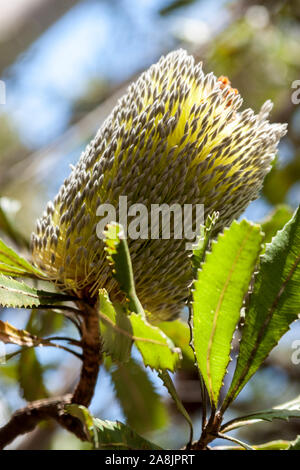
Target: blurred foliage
{"type": "Point", "coordinates": [276, 221]}
{"type": "Point", "coordinates": [30, 374]}
{"type": "Point", "coordinates": [148, 413]}
{"type": "Point", "coordinates": [8, 137]}
{"type": "Point", "coordinates": [96, 91]}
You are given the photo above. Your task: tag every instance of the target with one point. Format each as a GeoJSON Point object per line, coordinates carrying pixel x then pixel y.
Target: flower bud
{"type": "Point", "coordinates": [176, 137]}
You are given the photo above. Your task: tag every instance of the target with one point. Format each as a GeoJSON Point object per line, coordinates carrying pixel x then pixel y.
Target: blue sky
{"type": "Point", "coordinates": [94, 39]}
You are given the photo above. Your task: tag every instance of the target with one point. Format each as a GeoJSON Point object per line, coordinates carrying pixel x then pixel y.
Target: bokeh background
{"type": "Point", "coordinates": [64, 64]}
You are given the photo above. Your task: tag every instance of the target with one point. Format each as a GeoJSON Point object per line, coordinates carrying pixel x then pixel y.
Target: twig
{"type": "Point", "coordinates": [26, 419]}
{"type": "Point", "coordinates": [59, 307]}
{"type": "Point", "coordinates": [210, 431]}
{"type": "Point", "coordinates": [233, 439]}
{"type": "Point", "coordinates": [59, 346]}
{"type": "Point", "coordinates": [72, 341]}
{"type": "Point", "coordinates": [66, 311]}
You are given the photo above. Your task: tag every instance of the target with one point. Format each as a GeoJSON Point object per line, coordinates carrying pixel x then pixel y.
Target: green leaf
{"type": "Point", "coordinates": [218, 297]}
{"type": "Point", "coordinates": [284, 412]}
{"type": "Point", "coordinates": [167, 381]}
{"type": "Point", "coordinates": [111, 435]}
{"type": "Point", "coordinates": [273, 306]}
{"type": "Point", "coordinates": [119, 257]}
{"type": "Point", "coordinates": [116, 330]}
{"type": "Point", "coordinates": [179, 333]}
{"type": "Point", "coordinates": [199, 249]}
{"type": "Point", "coordinates": [120, 330]}
{"type": "Point", "coordinates": [275, 221]}
{"type": "Point", "coordinates": [39, 324]}
{"type": "Point", "coordinates": [140, 402]}
{"type": "Point", "coordinates": [18, 294]}
{"type": "Point", "coordinates": [272, 445]}
{"type": "Point", "coordinates": [117, 436]}
{"type": "Point", "coordinates": [30, 374]}
{"type": "Point", "coordinates": [83, 414]}
{"type": "Point", "coordinates": [157, 350]}
{"type": "Point", "coordinates": [12, 264]}
{"type": "Point", "coordinates": [295, 445]}
{"type": "Point", "coordinates": [155, 347]}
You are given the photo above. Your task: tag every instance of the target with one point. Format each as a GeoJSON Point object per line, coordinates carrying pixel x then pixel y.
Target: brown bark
{"type": "Point", "coordinates": [26, 419]}
{"type": "Point", "coordinates": [91, 351]}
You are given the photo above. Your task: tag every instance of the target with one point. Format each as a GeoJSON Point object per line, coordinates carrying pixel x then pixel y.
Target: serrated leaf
{"type": "Point", "coordinates": [18, 294]}
{"type": "Point", "coordinates": [138, 398]}
{"type": "Point", "coordinates": [11, 271]}
{"type": "Point", "coordinates": [116, 330]}
{"type": "Point", "coordinates": [167, 381]}
{"type": "Point", "coordinates": [273, 305]}
{"type": "Point", "coordinates": [119, 257]}
{"type": "Point", "coordinates": [217, 299]}
{"type": "Point", "coordinates": [284, 412]}
{"type": "Point", "coordinates": [275, 221]}
{"type": "Point", "coordinates": [179, 333]}
{"type": "Point", "coordinates": [157, 350]}
{"type": "Point", "coordinates": [203, 240]}
{"type": "Point", "coordinates": [109, 435]}
{"type": "Point", "coordinates": [13, 264]}
{"type": "Point", "coordinates": [119, 330]}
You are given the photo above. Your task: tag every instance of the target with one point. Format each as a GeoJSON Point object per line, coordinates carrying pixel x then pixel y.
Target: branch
{"type": "Point", "coordinates": [91, 355]}
{"type": "Point", "coordinates": [26, 419]}
{"type": "Point", "coordinates": [209, 432]}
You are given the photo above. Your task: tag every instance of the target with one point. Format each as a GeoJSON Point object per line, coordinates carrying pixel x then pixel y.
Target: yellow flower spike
{"type": "Point", "coordinates": [176, 136]}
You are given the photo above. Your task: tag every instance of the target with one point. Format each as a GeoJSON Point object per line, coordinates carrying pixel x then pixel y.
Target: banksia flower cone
{"type": "Point", "coordinates": [175, 137]}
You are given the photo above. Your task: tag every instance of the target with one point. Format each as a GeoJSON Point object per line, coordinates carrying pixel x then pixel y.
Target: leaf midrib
{"type": "Point", "coordinates": [263, 330]}
{"type": "Point", "coordinates": [129, 335]}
